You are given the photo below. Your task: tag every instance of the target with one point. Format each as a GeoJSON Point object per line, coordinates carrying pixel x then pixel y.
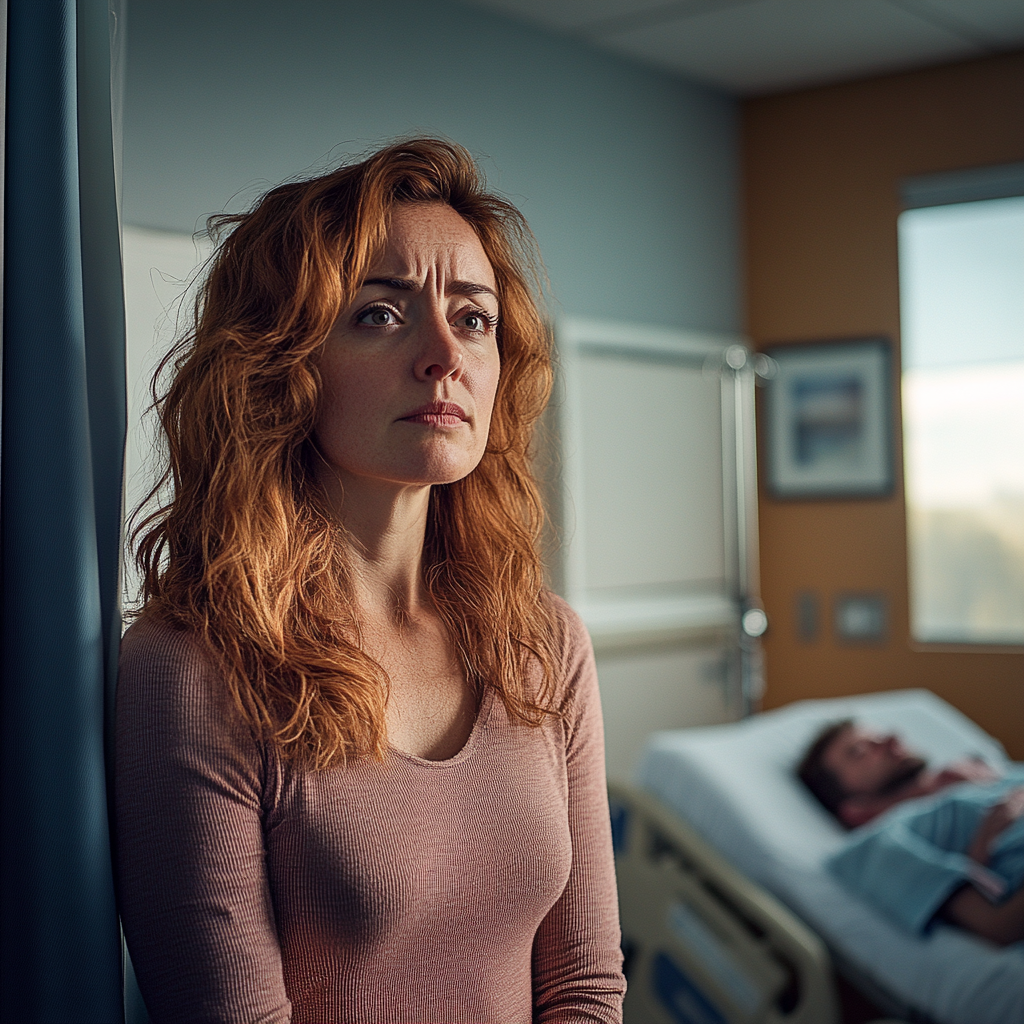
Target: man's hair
{"type": "Point", "coordinates": [816, 775]}
{"type": "Point", "coordinates": [243, 552]}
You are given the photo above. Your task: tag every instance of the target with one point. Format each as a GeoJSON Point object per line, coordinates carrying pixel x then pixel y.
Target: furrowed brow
{"type": "Point", "coordinates": [405, 284]}
{"type": "Point", "coordinates": [401, 284]}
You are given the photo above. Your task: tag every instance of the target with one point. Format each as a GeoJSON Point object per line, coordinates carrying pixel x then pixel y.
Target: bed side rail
{"type": "Point", "coordinates": [704, 944]}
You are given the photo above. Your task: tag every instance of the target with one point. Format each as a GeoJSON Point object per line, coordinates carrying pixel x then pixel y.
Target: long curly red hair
{"type": "Point", "coordinates": [243, 554]}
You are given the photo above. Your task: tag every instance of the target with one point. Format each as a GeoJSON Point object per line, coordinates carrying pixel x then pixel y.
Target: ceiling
{"type": "Point", "coordinates": [753, 47]}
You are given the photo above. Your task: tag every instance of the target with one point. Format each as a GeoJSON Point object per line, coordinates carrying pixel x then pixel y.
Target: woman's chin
{"type": "Point", "coordinates": [439, 476]}
{"type": "Point", "coordinates": [441, 467]}
{"type": "Point", "coordinates": [434, 473]}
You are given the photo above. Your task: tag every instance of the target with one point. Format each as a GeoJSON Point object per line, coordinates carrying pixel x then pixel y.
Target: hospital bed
{"type": "Point", "coordinates": [740, 824]}
{"type": "Point", "coordinates": [703, 944]}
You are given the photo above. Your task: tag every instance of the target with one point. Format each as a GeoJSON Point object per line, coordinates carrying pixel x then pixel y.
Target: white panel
{"type": "Point", "coordinates": [652, 475]}
{"type": "Point", "coordinates": [647, 553]}
{"type": "Point", "coordinates": [659, 689]}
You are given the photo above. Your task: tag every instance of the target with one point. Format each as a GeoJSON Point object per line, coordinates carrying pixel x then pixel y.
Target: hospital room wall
{"type": "Point", "coordinates": [821, 171]}
{"type": "Point", "coordinates": [628, 176]}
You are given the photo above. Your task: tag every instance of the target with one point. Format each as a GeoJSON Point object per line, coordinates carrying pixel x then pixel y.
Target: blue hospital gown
{"type": "Point", "coordinates": [912, 859]}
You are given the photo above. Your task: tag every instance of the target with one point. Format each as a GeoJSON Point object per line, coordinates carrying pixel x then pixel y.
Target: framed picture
{"type": "Point", "coordinates": [829, 420]}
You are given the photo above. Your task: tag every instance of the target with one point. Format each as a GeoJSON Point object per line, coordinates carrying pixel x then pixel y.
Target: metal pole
{"type": "Point", "coordinates": [739, 364]}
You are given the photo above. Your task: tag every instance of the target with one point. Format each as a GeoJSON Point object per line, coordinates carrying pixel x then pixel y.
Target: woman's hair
{"type": "Point", "coordinates": [244, 554]}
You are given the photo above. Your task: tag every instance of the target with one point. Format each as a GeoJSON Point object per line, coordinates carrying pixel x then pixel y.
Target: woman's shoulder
{"type": "Point", "coordinates": [152, 644]}
{"type": "Point", "coordinates": [162, 661]}
{"type": "Point", "coordinates": [171, 688]}
{"type": "Point", "coordinates": [578, 675]}
{"type": "Point", "coordinates": [176, 720]}
{"type": "Point", "coordinates": [571, 632]}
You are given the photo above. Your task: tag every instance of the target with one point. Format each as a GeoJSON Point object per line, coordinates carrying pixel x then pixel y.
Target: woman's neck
{"type": "Point", "coordinates": [387, 527]}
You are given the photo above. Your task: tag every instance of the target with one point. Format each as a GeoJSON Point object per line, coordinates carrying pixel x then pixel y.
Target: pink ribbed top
{"type": "Point", "coordinates": [479, 889]}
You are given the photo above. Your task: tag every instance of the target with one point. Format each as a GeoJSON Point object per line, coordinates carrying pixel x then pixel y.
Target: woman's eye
{"type": "Point", "coordinates": [379, 316]}
{"type": "Point", "coordinates": [477, 321]}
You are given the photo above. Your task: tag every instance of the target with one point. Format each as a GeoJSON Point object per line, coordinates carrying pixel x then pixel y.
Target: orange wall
{"type": "Point", "coordinates": [821, 174]}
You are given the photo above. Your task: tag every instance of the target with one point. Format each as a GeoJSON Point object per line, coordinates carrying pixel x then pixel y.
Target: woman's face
{"type": "Point", "coordinates": [410, 368]}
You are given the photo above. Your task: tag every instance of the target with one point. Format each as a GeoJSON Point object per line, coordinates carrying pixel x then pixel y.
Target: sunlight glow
{"type": "Point", "coordinates": [962, 298]}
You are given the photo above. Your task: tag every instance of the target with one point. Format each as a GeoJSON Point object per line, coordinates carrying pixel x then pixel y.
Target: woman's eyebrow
{"type": "Point", "coordinates": [405, 284]}
{"type": "Point", "coordinates": [402, 284]}
{"type": "Point", "coordinates": [470, 288]}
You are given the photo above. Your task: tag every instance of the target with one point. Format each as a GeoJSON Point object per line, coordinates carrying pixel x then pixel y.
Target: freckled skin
{"type": "Point", "coordinates": [395, 350]}
{"type": "Point", "coordinates": [422, 330]}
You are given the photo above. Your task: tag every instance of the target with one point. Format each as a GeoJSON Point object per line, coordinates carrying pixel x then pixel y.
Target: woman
{"type": "Point", "coordinates": [359, 747]}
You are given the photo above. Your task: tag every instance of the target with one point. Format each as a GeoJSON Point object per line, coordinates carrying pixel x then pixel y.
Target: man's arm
{"type": "Point", "coordinates": [970, 769]}
{"type": "Point", "coordinates": [910, 869]}
{"type": "Point", "coordinates": [1001, 924]}
{"type": "Point", "coordinates": [998, 818]}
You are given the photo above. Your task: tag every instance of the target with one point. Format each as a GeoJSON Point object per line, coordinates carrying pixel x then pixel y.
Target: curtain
{"type": "Point", "coordinates": [63, 426]}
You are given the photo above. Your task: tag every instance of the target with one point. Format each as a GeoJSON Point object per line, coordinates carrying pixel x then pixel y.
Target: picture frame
{"type": "Point", "coordinates": [828, 419]}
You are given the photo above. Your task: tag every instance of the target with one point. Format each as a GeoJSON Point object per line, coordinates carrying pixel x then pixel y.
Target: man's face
{"type": "Point", "coordinates": [869, 763]}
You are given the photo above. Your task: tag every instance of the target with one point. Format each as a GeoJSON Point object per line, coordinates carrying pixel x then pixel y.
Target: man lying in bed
{"type": "Point", "coordinates": [951, 844]}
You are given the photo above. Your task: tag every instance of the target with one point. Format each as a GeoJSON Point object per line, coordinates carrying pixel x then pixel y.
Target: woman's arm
{"type": "Point", "coordinates": [577, 960]}
{"type": "Point", "coordinates": [192, 884]}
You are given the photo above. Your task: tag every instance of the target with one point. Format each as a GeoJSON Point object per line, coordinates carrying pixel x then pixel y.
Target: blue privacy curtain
{"type": "Point", "coordinates": [60, 487]}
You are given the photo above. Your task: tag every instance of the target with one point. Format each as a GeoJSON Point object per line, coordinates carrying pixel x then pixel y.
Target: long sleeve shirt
{"type": "Point", "coordinates": [478, 888]}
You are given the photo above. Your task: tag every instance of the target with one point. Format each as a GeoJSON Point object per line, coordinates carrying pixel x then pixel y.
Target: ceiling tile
{"type": "Point", "coordinates": [1000, 23]}
{"type": "Point", "coordinates": [570, 13]}
{"type": "Point", "coordinates": [771, 45]}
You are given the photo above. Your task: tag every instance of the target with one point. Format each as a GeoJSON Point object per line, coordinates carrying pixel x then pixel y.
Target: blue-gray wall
{"type": "Point", "coordinates": [629, 177]}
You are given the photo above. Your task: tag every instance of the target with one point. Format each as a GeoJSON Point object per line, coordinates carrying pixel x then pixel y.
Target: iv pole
{"type": "Point", "coordinates": [740, 371]}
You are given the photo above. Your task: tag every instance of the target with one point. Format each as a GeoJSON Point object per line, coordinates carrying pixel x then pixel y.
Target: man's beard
{"type": "Point", "coordinates": [908, 770]}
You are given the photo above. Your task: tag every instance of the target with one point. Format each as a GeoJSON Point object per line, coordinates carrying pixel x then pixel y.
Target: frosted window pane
{"type": "Point", "coordinates": [962, 298]}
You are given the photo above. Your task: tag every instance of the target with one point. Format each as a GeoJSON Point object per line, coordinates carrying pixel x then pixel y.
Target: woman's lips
{"type": "Point", "coordinates": [437, 414]}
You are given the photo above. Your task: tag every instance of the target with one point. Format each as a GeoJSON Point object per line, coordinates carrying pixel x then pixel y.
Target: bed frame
{"type": "Point", "coordinates": [702, 943]}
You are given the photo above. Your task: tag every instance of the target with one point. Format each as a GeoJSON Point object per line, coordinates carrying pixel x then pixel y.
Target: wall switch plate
{"type": "Point", "coordinates": [861, 618]}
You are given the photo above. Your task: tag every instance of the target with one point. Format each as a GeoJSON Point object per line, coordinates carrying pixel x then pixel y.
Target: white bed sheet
{"type": "Point", "coordinates": [735, 784]}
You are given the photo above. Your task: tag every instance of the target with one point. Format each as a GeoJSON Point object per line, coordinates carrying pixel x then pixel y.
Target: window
{"type": "Point", "coordinates": [962, 308]}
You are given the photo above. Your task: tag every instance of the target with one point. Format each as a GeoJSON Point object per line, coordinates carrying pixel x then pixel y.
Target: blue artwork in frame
{"type": "Point", "coordinates": [828, 420]}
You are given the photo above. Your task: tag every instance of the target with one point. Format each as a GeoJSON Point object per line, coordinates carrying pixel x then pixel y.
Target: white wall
{"type": "Point", "coordinates": [158, 268]}
{"type": "Point", "coordinates": [659, 688]}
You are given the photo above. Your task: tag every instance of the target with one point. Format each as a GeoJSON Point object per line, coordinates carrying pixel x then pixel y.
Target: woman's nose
{"type": "Point", "coordinates": [440, 355]}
